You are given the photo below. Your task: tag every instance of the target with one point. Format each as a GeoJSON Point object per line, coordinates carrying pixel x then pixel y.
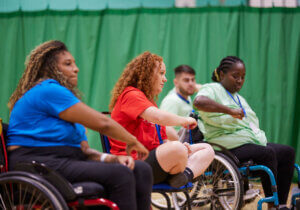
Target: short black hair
{"type": "Point", "coordinates": [184, 69]}
{"type": "Point", "coordinates": [224, 66]}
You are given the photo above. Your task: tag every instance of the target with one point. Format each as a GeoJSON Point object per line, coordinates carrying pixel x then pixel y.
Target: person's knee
{"type": "Point", "coordinates": [289, 153]}
{"type": "Point", "coordinates": [143, 176]}
{"type": "Point", "coordinates": [123, 175]}
{"type": "Point", "coordinates": [143, 171]}
{"type": "Point", "coordinates": [269, 154]}
{"type": "Point", "coordinates": [177, 150]}
{"type": "Point", "coordinates": [179, 154]}
{"type": "Point", "coordinates": [172, 157]}
{"type": "Point", "coordinates": [210, 153]}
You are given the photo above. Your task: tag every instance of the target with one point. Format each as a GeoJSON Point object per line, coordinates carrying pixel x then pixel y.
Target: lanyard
{"type": "Point", "coordinates": [158, 133]}
{"type": "Point", "coordinates": [185, 100]}
{"type": "Point", "coordinates": [160, 139]}
{"type": "Point", "coordinates": [190, 136]}
{"type": "Point", "coordinates": [238, 103]}
{"type": "Point", "coordinates": [182, 98]}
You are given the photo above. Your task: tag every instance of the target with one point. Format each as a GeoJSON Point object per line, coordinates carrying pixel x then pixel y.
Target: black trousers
{"type": "Point", "coordinates": [279, 158]}
{"type": "Point", "coordinates": [128, 189]}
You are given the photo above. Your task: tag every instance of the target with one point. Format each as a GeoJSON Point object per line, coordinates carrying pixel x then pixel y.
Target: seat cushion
{"type": "Point", "coordinates": [167, 188]}
{"type": "Point", "coordinates": [89, 189]}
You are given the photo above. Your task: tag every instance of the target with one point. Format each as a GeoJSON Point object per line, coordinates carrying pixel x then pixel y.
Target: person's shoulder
{"type": "Point", "coordinates": [211, 85]}
{"type": "Point", "coordinates": [171, 97]}
{"type": "Point", "coordinates": [131, 89]}
{"type": "Point", "coordinates": [51, 89]}
{"type": "Point", "coordinates": [49, 83]}
{"type": "Point", "coordinates": [210, 89]}
{"type": "Point", "coordinates": [172, 91]}
{"type": "Point", "coordinates": [130, 93]}
{"type": "Point", "coordinates": [214, 86]}
{"type": "Point", "coordinates": [171, 94]}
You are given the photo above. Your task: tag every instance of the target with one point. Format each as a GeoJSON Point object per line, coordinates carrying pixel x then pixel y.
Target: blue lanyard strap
{"type": "Point", "coordinates": [238, 103]}
{"type": "Point", "coordinates": [182, 98]}
{"type": "Point", "coordinates": [158, 133]}
{"type": "Point", "coordinates": [160, 139]}
{"type": "Point", "coordinates": [190, 137]}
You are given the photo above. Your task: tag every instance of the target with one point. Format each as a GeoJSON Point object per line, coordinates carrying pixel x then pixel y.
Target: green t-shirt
{"type": "Point", "coordinates": [225, 130]}
{"type": "Point", "coordinates": [174, 104]}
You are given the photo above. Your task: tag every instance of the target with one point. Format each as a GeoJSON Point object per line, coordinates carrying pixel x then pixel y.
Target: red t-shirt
{"type": "Point", "coordinates": [130, 104]}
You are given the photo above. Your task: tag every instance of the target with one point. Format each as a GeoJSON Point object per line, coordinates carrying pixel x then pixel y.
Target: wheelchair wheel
{"type": "Point", "coordinates": [19, 192]}
{"type": "Point", "coordinates": [220, 187]}
{"type": "Point", "coordinates": [177, 200]}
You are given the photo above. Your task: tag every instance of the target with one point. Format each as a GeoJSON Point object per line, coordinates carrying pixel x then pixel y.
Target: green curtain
{"type": "Point", "coordinates": [103, 42]}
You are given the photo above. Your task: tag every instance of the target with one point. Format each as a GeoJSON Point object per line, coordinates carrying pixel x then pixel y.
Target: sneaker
{"type": "Point", "coordinates": [178, 180]}
{"type": "Point", "coordinates": [251, 194]}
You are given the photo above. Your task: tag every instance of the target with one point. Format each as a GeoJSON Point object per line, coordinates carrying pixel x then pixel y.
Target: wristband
{"type": "Point", "coordinates": [103, 157]}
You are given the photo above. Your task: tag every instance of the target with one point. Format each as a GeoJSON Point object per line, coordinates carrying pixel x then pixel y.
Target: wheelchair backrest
{"type": "Point", "coordinates": [3, 151]}
{"type": "Point", "coordinates": [105, 143]}
{"type": "Point", "coordinates": [104, 139]}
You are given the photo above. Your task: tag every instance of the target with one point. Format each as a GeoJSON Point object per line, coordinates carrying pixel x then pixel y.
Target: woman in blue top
{"type": "Point", "coordinates": [47, 125]}
{"type": "Point", "coordinates": [229, 121]}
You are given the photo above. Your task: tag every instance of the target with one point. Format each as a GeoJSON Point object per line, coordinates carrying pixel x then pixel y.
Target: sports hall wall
{"type": "Point", "coordinates": [103, 42]}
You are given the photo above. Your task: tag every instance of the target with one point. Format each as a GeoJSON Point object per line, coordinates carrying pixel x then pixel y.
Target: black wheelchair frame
{"type": "Point", "coordinates": [35, 186]}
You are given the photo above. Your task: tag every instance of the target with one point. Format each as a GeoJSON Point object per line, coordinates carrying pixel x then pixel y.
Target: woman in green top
{"type": "Point", "coordinates": [229, 121]}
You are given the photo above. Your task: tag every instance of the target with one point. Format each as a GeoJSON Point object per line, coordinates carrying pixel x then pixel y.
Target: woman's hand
{"type": "Point", "coordinates": [142, 152]}
{"type": "Point", "coordinates": [189, 123]}
{"type": "Point", "coordinates": [124, 160]}
{"type": "Point", "coordinates": [237, 113]}
{"type": "Point", "coordinates": [188, 146]}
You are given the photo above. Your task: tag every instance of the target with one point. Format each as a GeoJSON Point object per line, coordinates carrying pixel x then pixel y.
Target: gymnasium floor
{"type": "Point", "coordinates": [248, 206]}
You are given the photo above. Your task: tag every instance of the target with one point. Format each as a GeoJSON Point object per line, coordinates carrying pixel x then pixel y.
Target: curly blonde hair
{"type": "Point", "coordinates": [41, 64]}
{"type": "Point", "coordinates": [139, 73]}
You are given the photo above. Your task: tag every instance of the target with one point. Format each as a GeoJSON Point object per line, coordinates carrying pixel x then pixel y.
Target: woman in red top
{"type": "Point", "coordinates": [133, 106]}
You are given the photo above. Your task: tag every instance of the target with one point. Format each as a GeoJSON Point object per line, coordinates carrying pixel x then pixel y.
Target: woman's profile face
{"type": "Point", "coordinates": [234, 79]}
{"type": "Point", "coordinates": [66, 64]}
{"type": "Point", "coordinates": [159, 78]}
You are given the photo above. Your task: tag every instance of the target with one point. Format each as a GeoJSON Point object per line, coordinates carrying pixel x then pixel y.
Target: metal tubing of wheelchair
{"type": "Point", "coordinates": [167, 199]}
{"type": "Point", "coordinates": [188, 201]}
{"type": "Point", "coordinates": [273, 198]}
{"type": "Point", "coordinates": [174, 197]}
{"type": "Point", "coordinates": [297, 194]}
{"type": "Point", "coordinates": [294, 198]}
{"type": "Point", "coordinates": [298, 171]}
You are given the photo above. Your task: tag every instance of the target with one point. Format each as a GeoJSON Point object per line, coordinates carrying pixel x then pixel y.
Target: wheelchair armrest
{"type": "Point", "coordinates": [59, 182]}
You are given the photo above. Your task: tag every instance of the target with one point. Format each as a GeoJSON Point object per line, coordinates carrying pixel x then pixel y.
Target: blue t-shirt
{"type": "Point", "coordinates": [34, 120]}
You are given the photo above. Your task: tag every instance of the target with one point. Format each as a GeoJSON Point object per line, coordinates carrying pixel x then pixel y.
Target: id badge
{"type": "Point", "coordinates": [254, 128]}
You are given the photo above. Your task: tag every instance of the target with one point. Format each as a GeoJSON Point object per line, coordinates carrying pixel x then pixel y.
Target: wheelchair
{"type": "Point", "coordinates": [225, 181]}
{"type": "Point", "coordinates": [35, 186]}
{"type": "Point", "coordinates": [167, 195]}
{"type": "Point", "coordinates": [295, 201]}
{"type": "Point", "coordinates": [219, 187]}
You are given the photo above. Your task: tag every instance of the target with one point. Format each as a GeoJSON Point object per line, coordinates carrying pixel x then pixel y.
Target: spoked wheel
{"type": "Point", "coordinates": [220, 187]}
{"type": "Point", "coordinates": [22, 193]}
{"type": "Point", "coordinates": [177, 200]}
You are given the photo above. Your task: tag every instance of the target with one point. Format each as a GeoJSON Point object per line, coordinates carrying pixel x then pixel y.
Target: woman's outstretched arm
{"type": "Point", "coordinates": [161, 117]}
{"type": "Point", "coordinates": [90, 118]}
{"type": "Point", "coordinates": [206, 104]}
